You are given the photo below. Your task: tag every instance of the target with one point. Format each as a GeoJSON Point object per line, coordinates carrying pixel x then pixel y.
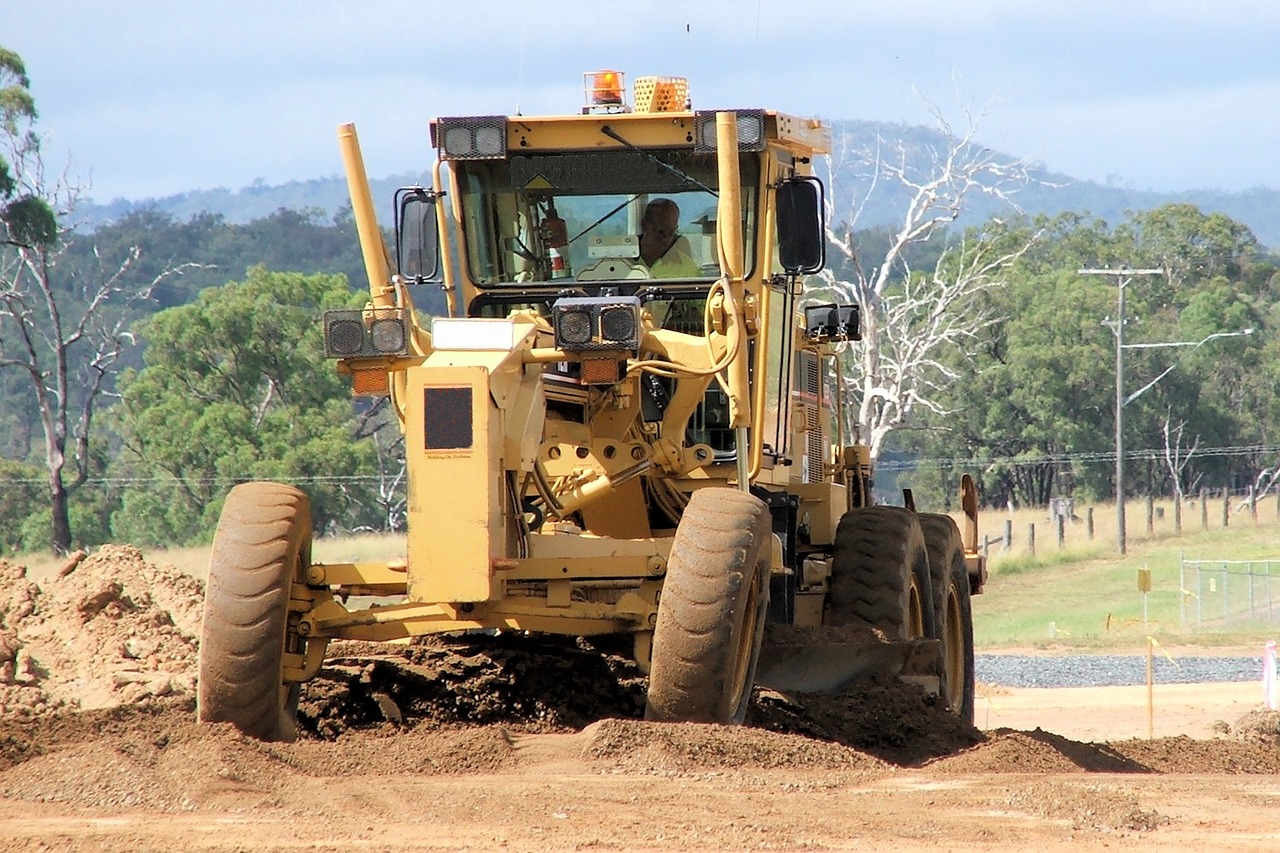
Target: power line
{"type": "Point", "coordinates": [1068, 458]}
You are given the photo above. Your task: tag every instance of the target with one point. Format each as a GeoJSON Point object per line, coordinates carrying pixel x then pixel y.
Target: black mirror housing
{"type": "Point", "coordinates": [802, 245]}
{"type": "Point", "coordinates": [417, 240]}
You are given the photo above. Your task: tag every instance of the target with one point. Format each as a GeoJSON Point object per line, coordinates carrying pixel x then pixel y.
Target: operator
{"type": "Point", "coordinates": [661, 247]}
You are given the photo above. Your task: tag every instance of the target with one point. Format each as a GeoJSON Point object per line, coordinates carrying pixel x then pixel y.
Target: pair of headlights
{"type": "Point", "coordinates": [589, 323]}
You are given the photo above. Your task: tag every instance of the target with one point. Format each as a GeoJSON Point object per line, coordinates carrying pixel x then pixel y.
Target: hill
{"type": "Point", "coordinates": [1259, 208]}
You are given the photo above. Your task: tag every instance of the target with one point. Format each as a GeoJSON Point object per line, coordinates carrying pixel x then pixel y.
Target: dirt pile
{"type": "Point", "coordinates": [553, 684]}
{"type": "Point", "coordinates": [109, 629]}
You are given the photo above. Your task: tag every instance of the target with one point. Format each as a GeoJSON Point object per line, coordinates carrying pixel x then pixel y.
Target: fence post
{"type": "Point", "coordinates": [1062, 532]}
{"type": "Point", "coordinates": [1251, 612]}
{"type": "Point", "coordinates": [1088, 521]}
{"type": "Point", "coordinates": [1031, 539]}
{"type": "Point", "coordinates": [1151, 514]}
{"type": "Point", "coordinates": [1008, 533]}
{"type": "Point", "coordinates": [1226, 508]}
{"type": "Point", "coordinates": [1182, 592]}
{"type": "Point", "coordinates": [986, 546]}
{"type": "Point", "coordinates": [1204, 509]}
{"type": "Point", "coordinates": [1199, 598]}
{"type": "Point", "coordinates": [1226, 599]}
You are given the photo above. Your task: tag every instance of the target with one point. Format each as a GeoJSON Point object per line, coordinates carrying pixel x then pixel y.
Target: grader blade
{"type": "Point", "coordinates": [828, 667]}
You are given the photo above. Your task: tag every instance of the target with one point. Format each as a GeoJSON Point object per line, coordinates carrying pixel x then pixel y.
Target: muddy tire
{"type": "Point", "coordinates": [880, 573]}
{"type": "Point", "coordinates": [942, 542]}
{"type": "Point", "coordinates": [262, 545]}
{"type": "Point", "coordinates": [954, 611]}
{"type": "Point", "coordinates": [711, 611]}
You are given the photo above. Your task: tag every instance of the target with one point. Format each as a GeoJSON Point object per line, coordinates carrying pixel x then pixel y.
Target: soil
{"type": "Point", "coordinates": [532, 743]}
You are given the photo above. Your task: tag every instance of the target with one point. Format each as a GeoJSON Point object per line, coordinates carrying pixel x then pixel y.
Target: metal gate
{"type": "Point", "coordinates": [1222, 594]}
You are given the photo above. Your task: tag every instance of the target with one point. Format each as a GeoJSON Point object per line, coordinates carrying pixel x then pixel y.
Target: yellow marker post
{"type": "Point", "coordinates": [1144, 587]}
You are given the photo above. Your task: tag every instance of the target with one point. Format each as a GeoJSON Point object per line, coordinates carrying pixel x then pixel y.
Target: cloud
{"type": "Point", "coordinates": [159, 98]}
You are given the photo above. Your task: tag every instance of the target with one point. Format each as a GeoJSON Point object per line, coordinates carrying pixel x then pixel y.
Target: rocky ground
{"type": "Point", "coordinates": [537, 743]}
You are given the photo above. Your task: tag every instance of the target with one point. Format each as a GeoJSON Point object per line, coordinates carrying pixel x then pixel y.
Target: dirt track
{"type": "Point", "coordinates": [522, 745]}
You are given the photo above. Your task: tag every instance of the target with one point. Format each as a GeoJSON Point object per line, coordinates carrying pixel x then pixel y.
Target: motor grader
{"type": "Point", "coordinates": [597, 446]}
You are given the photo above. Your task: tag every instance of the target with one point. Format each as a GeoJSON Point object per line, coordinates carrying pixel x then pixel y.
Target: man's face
{"type": "Point", "coordinates": [656, 233]}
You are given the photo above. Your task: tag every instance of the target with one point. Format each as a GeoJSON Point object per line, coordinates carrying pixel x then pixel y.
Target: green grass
{"type": "Point", "coordinates": [1086, 595]}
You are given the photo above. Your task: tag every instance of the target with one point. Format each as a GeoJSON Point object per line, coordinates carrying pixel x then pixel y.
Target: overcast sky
{"type": "Point", "coordinates": [147, 99]}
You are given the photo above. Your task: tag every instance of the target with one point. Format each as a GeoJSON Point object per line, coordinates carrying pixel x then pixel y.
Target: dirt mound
{"type": "Point", "coordinates": [552, 684]}
{"type": "Point", "coordinates": [109, 629]}
{"type": "Point", "coordinates": [531, 683]}
{"type": "Point", "coordinates": [677, 748]}
{"type": "Point", "coordinates": [1007, 751]}
{"type": "Point", "coordinates": [1262, 726]}
{"type": "Point", "coordinates": [883, 716]}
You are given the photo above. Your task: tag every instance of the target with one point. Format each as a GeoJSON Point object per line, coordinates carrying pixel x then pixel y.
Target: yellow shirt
{"type": "Point", "coordinates": [675, 264]}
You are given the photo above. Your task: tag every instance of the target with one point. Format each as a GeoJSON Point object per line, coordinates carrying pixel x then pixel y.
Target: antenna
{"type": "Point", "coordinates": [520, 71]}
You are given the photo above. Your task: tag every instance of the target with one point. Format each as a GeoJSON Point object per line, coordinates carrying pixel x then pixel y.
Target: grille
{"type": "Point", "coordinates": [346, 337]}
{"type": "Point", "coordinates": [618, 324]}
{"type": "Point", "coordinates": [574, 327]}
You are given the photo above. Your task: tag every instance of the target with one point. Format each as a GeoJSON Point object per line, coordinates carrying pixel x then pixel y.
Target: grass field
{"type": "Point", "coordinates": [1080, 595]}
{"type": "Point", "coordinates": [1085, 594]}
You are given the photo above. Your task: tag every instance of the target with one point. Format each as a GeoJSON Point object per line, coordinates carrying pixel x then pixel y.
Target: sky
{"type": "Point", "coordinates": [146, 99]}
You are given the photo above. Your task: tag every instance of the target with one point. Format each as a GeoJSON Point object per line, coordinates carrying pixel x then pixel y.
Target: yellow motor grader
{"type": "Point", "coordinates": [599, 440]}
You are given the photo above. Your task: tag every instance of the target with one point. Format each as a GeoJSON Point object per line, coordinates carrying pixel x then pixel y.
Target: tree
{"type": "Point", "coordinates": [1036, 406]}
{"type": "Point", "coordinates": [911, 318]}
{"type": "Point", "coordinates": [26, 219]}
{"type": "Point", "coordinates": [63, 333]}
{"type": "Point", "coordinates": [235, 387]}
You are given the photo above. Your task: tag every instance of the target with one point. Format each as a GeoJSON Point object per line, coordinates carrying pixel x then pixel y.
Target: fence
{"type": "Point", "coordinates": [1220, 593]}
{"type": "Point", "coordinates": [1069, 525]}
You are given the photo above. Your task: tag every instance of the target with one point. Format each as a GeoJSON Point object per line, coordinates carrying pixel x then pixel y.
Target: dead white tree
{"type": "Point", "coordinates": [912, 319]}
{"type": "Point", "coordinates": [1176, 456]}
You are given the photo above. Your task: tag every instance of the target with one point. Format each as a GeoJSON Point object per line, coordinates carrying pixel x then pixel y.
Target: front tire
{"type": "Point", "coordinates": [261, 548]}
{"type": "Point", "coordinates": [711, 611]}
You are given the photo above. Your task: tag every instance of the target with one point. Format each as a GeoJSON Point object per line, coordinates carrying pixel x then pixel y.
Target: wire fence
{"type": "Point", "coordinates": [1218, 594]}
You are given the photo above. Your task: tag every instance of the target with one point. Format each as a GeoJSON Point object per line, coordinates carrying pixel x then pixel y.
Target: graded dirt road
{"type": "Point", "coordinates": [514, 744]}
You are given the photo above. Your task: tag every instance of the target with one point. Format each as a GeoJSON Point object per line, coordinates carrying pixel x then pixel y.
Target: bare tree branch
{"type": "Point", "coordinates": [912, 319]}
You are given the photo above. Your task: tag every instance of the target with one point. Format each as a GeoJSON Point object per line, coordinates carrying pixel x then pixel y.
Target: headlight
{"type": "Point", "coordinates": [589, 323]}
{"type": "Point", "coordinates": [388, 336]}
{"type": "Point", "coordinates": [366, 333]}
{"type": "Point", "coordinates": [471, 137]}
{"type": "Point", "coordinates": [750, 130]}
{"type": "Point", "coordinates": [573, 328]}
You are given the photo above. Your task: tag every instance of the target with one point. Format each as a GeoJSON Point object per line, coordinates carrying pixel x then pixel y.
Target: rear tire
{"type": "Point", "coordinates": [954, 611]}
{"type": "Point", "coordinates": [880, 573]}
{"type": "Point", "coordinates": [261, 548]}
{"type": "Point", "coordinates": [711, 611]}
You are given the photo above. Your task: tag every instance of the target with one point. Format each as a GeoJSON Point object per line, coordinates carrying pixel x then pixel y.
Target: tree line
{"type": "Point", "coordinates": [150, 364]}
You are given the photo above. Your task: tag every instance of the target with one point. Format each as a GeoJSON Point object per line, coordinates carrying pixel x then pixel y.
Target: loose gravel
{"type": "Point", "coordinates": [1111, 670]}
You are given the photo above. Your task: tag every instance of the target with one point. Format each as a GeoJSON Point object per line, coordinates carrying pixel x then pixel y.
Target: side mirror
{"type": "Point", "coordinates": [802, 245]}
{"type": "Point", "coordinates": [417, 241]}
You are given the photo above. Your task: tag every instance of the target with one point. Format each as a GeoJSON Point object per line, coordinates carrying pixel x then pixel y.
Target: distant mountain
{"type": "Point", "coordinates": [1257, 208]}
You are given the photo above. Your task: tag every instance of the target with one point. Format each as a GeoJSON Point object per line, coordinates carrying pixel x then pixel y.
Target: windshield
{"type": "Point", "coordinates": [581, 216]}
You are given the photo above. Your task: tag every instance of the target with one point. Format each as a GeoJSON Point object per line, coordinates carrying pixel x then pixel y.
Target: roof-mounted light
{"type": "Point", "coordinates": [604, 91]}
{"type": "Point", "coordinates": [750, 130]}
{"type": "Point", "coordinates": [472, 137]}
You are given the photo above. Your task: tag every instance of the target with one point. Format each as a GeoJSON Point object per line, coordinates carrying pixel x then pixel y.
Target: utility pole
{"type": "Point", "coordinates": [1123, 275]}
